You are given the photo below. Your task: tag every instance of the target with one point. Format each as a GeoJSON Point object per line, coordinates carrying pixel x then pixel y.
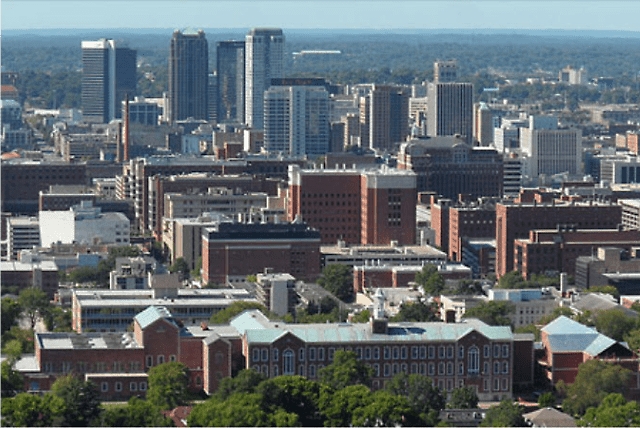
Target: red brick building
{"type": "Point", "coordinates": [231, 251]}
{"type": "Point", "coordinates": [355, 206]}
{"type": "Point", "coordinates": [557, 250]}
{"type": "Point", "coordinates": [567, 344]}
{"type": "Point", "coordinates": [516, 220]}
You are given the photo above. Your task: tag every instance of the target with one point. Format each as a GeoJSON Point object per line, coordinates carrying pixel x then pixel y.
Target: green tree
{"type": "Point", "coordinates": [339, 407]}
{"type": "Point", "coordinates": [505, 414]}
{"type": "Point", "coordinates": [10, 313]}
{"type": "Point", "coordinates": [136, 413]}
{"type": "Point", "coordinates": [613, 411]}
{"type": "Point", "coordinates": [423, 396]}
{"type": "Point", "coordinates": [511, 280]}
{"type": "Point", "coordinates": [546, 399]}
{"type": "Point", "coordinates": [607, 289]}
{"type": "Point", "coordinates": [58, 319]}
{"type": "Point", "coordinates": [12, 381]}
{"type": "Point", "coordinates": [34, 303]}
{"type": "Point", "coordinates": [615, 323]}
{"type": "Point", "coordinates": [492, 312]}
{"type": "Point", "coordinates": [238, 410]}
{"type": "Point", "coordinates": [295, 395]}
{"type": "Point", "coordinates": [245, 382]}
{"type": "Point", "coordinates": [345, 370]}
{"type": "Point", "coordinates": [557, 312]}
{"type": "Point", "coordinates": [464, 397]}
{"type": "Point", "coordinates": [22, 336]}
{"type": "Point", "coordinates": [81, 401]}
{"type": "Point", "coordinates": [180, 266]}
{"type": "Point", "coordinates": [168, 385]}
{"type": "Point", "coordinates": [595, 379]}
{"type": "Point", "coordinates": [338, 280]}
{"type": "Point", "coordinates": [633, 339]}
{"type": "Point", "coordinates": [384, 409]}
{"type": "Point", "coordinates": [431, 281]}
{"type": "Point", "coordinates": [29, 410]}
{"type": "Point", "coordinates": [234, 309]}
{"type": "Point", "coordinates": [361, 317]}
{"type": "Point", "coordinates": [417, 312]}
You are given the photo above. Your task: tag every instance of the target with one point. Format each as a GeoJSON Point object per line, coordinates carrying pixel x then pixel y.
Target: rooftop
{"type": "Point", "coordinates": [62, 341]}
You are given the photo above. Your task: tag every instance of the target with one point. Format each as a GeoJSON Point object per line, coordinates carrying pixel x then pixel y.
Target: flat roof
{"type": "Point", "coordinates": [62, 341]}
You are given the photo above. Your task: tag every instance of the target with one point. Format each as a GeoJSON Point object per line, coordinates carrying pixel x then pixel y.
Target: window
{"type": "Point", "coordinates": [265, 354]}
{"type": "Point", "coordinates": [160, 359]}
{"type": "Point", "coordinates": [423, 352]}
{"type": "Point", "coordinates": [486, 368]}
{"type": "Point", "coordinates": [403, 368]}
{"type": "Point", "coordinates": [149, 360]}
{"type": "Point", "coordinates": [143, 386]}
{"type": "Point", "coordinates": [320, 354]}
{"type": "Point", "coordinates": [219, 358]}
{"type": "Point", "coordinates": [496, 351]}
{"type": "Point", "coordinates": [460, 351]}
{"type": "Point", "coordinates": [396, 353]}
{"type": "Point", "coordinates": [387, 353]}
{"type": "Point", "coordinates": [104, 386]}
{"type": "Point", "coordinates": [450, 351]}
{"type": "Point", "coordinates": [414, 368]}
{"type": "Point", "coordinates": [396, 368]}
{"type": "Point", "coordinates": [301, 370]}
{"type": "Point", "coordinates": [432, 369]}
{"type": "Point", "coordinates": [255, 354]}
{"type": "Point", "coordinates": [265, 370]}
{"type": "Point", "coordinates": [441, 368]}
{"type": "Point", "coordinates": [367, 353]}
{"type": "Point", "coordinates": [358, 352]}
{"type": "Point", "coordinates": [505, 367]}
{"type": "Point", "coordinates": [496, 367]}
{"type": "Point", "coordinates": [505, 384]}
{"type": "Point", "coordinates": [274, 354]}
{"type": "Point", "coordinates": [330, 353]}
{"type": "Point", "coordinates": [403, 353]}
{"type": "Point", "coordinates": [432, 352]}
{"type": "Point", "coordinates": [376, 353]}
{"type": "Point", "coordinates": [414, 352]}
{"type": "Point", "coordinates": [118, 386]}
{"type": "Point", "coordinates": [312, 370]}
{"type": "Point", "coordinates": [288, 367]}
{"type": "Point", "coordinates": [312, 354]}
{"type": "Point", "coordinates": [133, 386]}
{"type": "Point", "coordinates": [275, 370]}
{"type": "Point", "coordinates": [461, 368]}
{"type": "Point", "coordinates": [505, 351]}
{"type": "Point", "coordinates": [487, 351]}
{"type": "Point", "coordinates": [301, 354]}
{"type": "Point", "coordinates": [474, 360]}
{"type": "Point", "coordinates": [423, 369]}
{"type": "Point", "coordinates": [496, 384]}
{"type": "Point", "coordinates": [386, 370]}
{"type": "Point", "coordinates": [441, 353]}
{"type": "Point", "coordinates": [172, 358]}
{"type": "Point", "coordinates": [485, 385]}
{"type": "Point", "coordinates": [199, 380]}
{"type": "Point", "coordinates": [449, 368]}
{"type": "Point", "coordinates": [376, 370]}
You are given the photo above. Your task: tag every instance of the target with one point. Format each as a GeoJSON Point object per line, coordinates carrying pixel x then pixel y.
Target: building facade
{"type": "Point", "coordinates": [388, 117]}
{"type": "Point", "coordinates": [188, 76]}
{"type": "Point", "coordinates": [230, 75]}
{"type": "Point", "coordinates": [450, 110]}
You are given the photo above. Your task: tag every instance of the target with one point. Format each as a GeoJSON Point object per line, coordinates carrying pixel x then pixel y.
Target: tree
{"type": "Point", "coordinates": [614, 323]}
{"type": "Point", "coordinates": [31, 410]}
{"type": "Point", "coordinates": [464, 397]}
{"type": "Point", "coordinates": [168, 385]}
{"type": "Point", "coordinates": [294, 395]}
{"type": "Point", "coordinates": [234, 309]}
{"type": "Point", "coordinates": [417, 312]}
{"type": "Point", "coordinates": [22, 336]}
{"type": "Point", "coordinates": [361, 317]}
{"type": "Point", "coordinates": [339, 407]}
{"type": "Point", "coordinates": [505, 414]}
{"type": "Point", "coordinates": [338, 280]}
{"type": "Point", "coordinates": [240, 409]}
{"type": "Point", "coordinates": [12, 381]}
{"type": "Point", "coordinates": [492, 312]}
{"type": "Point", "coordinates": [34, 303]}
{"type": "Point", "coordinates": [58, 319]}
{"type": "Point", "coordinates": [245, 382]}
{"type": "Point", "coordinates": [595, 379]}
{"type": "Point", "coordinates": [557, 312]}
{"type": "Point", "coordinates": [181, 266]}
{"type": "Point", "coordinates": [423, 396]}
{"type": "Point", "coordinates": [607, 289]}
{"type": "Point", "coordinates": [511, 280]}
{"type": "Point", "coordinates": [633, 340]}
{"type": "Point", "coordinates": [81, 401]}
{"type": "Point", "coordinates": [614, 411]}
{"type": "Point", "coordinates": [136, 413]}
{"type": "Point", "coordinates": [431, 281]}
{"type": "Point", "coordinates": [345, 370]}
{"type": "Point", "coordinates": [384, 409]}
{"type": "Point", "coordinates": [10, 313]}
{"type": "Point", "coordinates": [546, 399]}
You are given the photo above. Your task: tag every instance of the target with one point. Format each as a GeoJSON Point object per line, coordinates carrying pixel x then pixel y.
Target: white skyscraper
{"type": "Point", "coordinates": [264, 60]}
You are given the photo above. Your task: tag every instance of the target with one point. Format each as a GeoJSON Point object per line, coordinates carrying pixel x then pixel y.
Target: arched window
{"type": "Point", "coordinates": [288, 366]}
{"type": "Point", "coordinates": [474, 360]}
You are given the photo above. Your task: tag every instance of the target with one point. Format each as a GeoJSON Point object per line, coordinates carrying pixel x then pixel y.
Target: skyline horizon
{"type": "Point", "coordinates": [379, 15]}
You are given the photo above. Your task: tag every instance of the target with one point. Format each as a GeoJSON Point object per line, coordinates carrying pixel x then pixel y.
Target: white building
{"type": "Point", "coordinates": [621, 169]}
{"type": "Point", "coordinates": [23, 233]}
{"type": "Point", "coordinates": [276, 291]}
{"type": "Point", "coordinates": [84, 224]}
{"type": "Point", "coordinates": [551, 150]}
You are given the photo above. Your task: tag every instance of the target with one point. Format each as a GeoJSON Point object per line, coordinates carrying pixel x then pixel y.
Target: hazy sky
{"type": "Point", "coordinates": [348, 14]}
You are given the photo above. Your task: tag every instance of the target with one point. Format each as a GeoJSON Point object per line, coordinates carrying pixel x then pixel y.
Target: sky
{"type": "Point", "coordinates": [321, 14]}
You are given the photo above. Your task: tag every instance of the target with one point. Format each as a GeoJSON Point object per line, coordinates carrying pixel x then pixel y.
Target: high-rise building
{"type": "Point", "coordinates": [445, 71]}
{"type": "Point", "coordinates": [188, 76]}
{"type": "Point", "coordinates": [483, 125]}
{"type": "Point", "coordinates": [264, 60]}
{"type": "Point", "coordinates": [296, 117]}
{"type": "Point", "coordinates": [230, 70]}
{"type": "Point", "coordinates": [108, 76]}
{"type": "Point", "coordinates": [450, 110]}
{"type": "Point", "coordinates": [388, 116]}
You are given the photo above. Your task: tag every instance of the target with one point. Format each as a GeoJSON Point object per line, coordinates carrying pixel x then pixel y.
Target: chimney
{"type": "Point", "coordinates": [204, 325]}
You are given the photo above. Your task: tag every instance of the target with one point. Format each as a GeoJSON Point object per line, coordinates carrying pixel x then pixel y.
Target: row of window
{"type": "Point", "coordinates": [133, 386]}
{"type": "Point", "coordinates": [389, 352]}
{"type": "Point", "coordinates": [159, 359]}
{"type": "Point", "coordinates": [99, 367]}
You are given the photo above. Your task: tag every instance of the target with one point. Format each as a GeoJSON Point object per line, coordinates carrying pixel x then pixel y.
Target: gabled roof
{"type": "Point", "coordinates": [251, 319]}
{"type": "Point", "coordinates": [151, 315]}
{"type": "Point", "coordinates": [550, 417]}
{"type": "Point", "coordinates": [566, 335]}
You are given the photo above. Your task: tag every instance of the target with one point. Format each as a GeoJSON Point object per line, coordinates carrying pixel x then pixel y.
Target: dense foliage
{"type": "Point", "coordinates": [338, 280]}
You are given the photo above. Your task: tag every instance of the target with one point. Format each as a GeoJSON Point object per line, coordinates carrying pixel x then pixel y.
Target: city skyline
{"type": "Point", "coordinates": [380, 14]}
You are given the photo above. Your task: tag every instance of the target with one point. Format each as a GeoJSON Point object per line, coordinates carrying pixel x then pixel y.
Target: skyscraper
{"type": "Point", "coordinates": [445, 71]}
{"type": "Point", "coordinates": [264, 60]}
{"type": "Point", "coordinates": [450, 110]}
{"type": "Point", "coordinates": [108, 75]}
{"type": "Point", "coordinates": [296, 117]}
{"type": "Point", "coordinates": [188, 76]}
{"type": "Point", "coordinates": [388, 116]}
{"type": "Point", "coordinates": [230, 69]}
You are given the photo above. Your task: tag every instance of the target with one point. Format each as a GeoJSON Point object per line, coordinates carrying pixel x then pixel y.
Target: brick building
{"type": "Point", "coordinates": [567, 344]}
{"type": "Point", "coordinates": [449, 167]}
{"type": "Point", "coordinates": [231, 251]}
{"type": "Point", "coordinates": [372, 277]}
{"type": "Point", "coordinates": [18, 275]}
{"type": "Point", "coordinates": [374, 206]}
{"type": "Point", "coordinates": [557, 250]}
{"type": "Point", "coordinates": [516, 220]}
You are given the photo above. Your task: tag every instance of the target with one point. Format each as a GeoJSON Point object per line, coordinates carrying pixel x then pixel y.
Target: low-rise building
{"type": "Point", "coordinates": [277, 292]}
{"type": "Point", "coordinates": [591, 269]}
{"type": "Point", "coordinates": [18, 275]}
{"type": "Point", "coordinates": [373, 255]}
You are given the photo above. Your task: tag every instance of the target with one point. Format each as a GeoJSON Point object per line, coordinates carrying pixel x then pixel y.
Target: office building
{"type": "Point", "coordinates": [188, 76]}
{"type": "Point", "coordinates": [373, 206]}
{"type": "Point", "coordinates": [264, 60]}
{"type": "Point", "coordinates": [445, 71]}
{"type": "Point", "coordinates": [23, 233]}
{"type": "Point", "coordinates": [386, 255]}
{"type": "Point", "coordinates": [15, 276]}
{"type": "Point", "coordinates": [449, 166]}
{"type": "Point", "coordinates": [143, 112]}
{"type": "Point", "coordinates": [230, 75]}
{"type": "Point", "coordinates": [450, 110]}
{"type": "Point", "coordinates": [514, 220]}
{"type": "Point", "coordinates": [277, 292]}
{"type": "Point", "coordinates": [108, 76]}
{"type": "Point", "coordinates": [296, 118]}
{"type": "Point", "coordinates": [388, 117]}
{"type": "Point", "coordinates": [483, 124]}
{"type": "Point", "coordinates": [620, 170]}
{"type": "Point", "coordinates": [591, 270]}
{"type": "Point", "coordinates": [551, 150]}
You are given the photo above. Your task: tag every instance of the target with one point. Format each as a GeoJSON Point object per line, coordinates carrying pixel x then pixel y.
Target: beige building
{"type": "Point", "coordinates": [221, 199]}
